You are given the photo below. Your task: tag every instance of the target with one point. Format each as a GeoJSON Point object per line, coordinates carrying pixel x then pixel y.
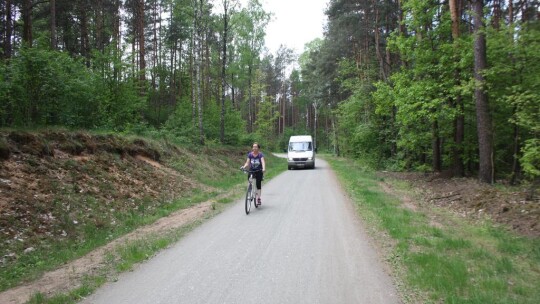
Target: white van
{"type": "Point", "coordinates": [301, 152]}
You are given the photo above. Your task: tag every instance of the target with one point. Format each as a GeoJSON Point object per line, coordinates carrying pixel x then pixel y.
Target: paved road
{"type": "Point", "coordinates": [304, 245]}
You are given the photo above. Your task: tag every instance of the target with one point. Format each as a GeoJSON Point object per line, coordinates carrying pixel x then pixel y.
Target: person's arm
{"type": "Point", "coordinates": [246, 164]}
{"type": "Point", "coordinates": [263, 164]}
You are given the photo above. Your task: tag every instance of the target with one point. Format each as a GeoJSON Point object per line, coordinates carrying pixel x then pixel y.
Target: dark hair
{"type": "Point", "coordinates": [256, 143]}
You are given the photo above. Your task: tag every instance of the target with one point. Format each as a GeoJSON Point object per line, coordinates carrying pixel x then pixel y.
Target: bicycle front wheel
{"type": "Point", "coordinates": [249, 198]}
{"type": "Point", "coordinates": [254, 196]}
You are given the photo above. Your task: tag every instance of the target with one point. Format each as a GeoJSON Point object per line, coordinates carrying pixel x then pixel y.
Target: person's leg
{"type": "Point", "coordinates": [259, 186]}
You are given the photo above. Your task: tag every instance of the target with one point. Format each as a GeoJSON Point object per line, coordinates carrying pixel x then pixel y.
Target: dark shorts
{"type": "Point", "coordinates": [258, 178]}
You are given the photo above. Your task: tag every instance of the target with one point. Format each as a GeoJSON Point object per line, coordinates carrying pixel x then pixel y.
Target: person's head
{"type": "Point", "coordinates": [255, 146]}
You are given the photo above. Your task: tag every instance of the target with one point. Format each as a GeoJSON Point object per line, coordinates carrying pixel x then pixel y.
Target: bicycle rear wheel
{"type": "Point", "coordinates": [249, 198]}
{"type": "Point", "coordinates": [254, 196]}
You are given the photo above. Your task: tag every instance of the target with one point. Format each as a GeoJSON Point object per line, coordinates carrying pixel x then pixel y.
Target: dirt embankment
{"type": "Point", "coordinates": [468, 197]}
{"type": "Point", "coordinates": [54, 185]}
{"type": "Point", "coordinates": [59, 187]}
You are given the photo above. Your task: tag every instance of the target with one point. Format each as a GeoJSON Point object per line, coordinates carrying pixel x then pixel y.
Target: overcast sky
{"type": "Point", "coordinates": [295, 22]}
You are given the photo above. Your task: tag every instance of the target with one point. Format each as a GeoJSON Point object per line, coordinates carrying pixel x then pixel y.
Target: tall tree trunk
{"type": "Point", "coordinates": [515, 157]}
{"type": "Point", "coordinates": [459, 138]}
{"type": "Point", "coordinates": [160, 41]}
{"type": "Point", "coordinates": [281, 120]}
{"type": "Point", "coordinates": [459, 121]}
{"type": "Point", "coordinates": [307, 118]}
{"type": "Point", "coordinates": [193, 72]}
{"type": "Point", "coordinates": [285, 104]}
{"type": "Point", "coordinates": [200, 93]}
{"type": "Point", "coordinates": [99, 26]}
{"type": "Point", "coordinates": [116, 38]}
{"type": "Point", "coordinates": [223, 69]}
{"type": "Point", "coordinates": [134, 58]}
{"type": "Point", "coordinates": [27, 23]}
{"type": "Point", "coordinates": [314, 125]}
{"type": "Point", "coordinates": [402, 27]}
{"type": "Point", "coordinates": [336, 140]}
{"type": "Point", "coordinates": [172, 79]}
{"type": "Point", "coordinates": [436, 146]}
{"type": "Point", "coordinates": [155, 44]}
{"type": "Point", "coordinates": [483, 117]}
{"type": "Point", "coordinates": [516, 168]}
{"type": "Point", "coordinates": [380, 57]}
{"type": "Point", "coordinates": [250, 102]}
{"type": "Point", "coordinates": [116, 25]}
{"type": "Point", "coordinates": [9, 31]}
{"type": "Point", "coordinates": [53, 23]}
{"type": "Point", "coordinates": [172, 62]}
{"type": "Point", "coordinates": [142, 53]}
{"type": "Point", "coordinates": [232, 92]}
{"type": "Point", "coordinates": [177, 72]}
{"type": "Point", "coordinates": [85, 40]}
{"type": "Point", "coordinates": [394, 133]}
{"type": "Point", "coordinates": [199, 65]}
{"type": "Point", "coordinates": [497, 14]}
{"type": "Point", "coordinates": [206, 65]}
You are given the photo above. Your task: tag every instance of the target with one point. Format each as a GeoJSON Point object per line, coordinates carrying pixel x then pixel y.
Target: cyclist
{"type": "Point", "coordinates": [255, 161]}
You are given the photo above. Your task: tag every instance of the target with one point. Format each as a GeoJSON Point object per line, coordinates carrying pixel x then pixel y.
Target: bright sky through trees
{"type": "Point", "coordinates": [294, 22]}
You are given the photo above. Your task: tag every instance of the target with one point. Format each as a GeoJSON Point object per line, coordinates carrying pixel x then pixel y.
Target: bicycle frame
{"type": "Point", "coordinates": [251, 190]}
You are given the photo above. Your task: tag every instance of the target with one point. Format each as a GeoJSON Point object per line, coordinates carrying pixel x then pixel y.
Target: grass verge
{"type": "Point", "coordinates": [124, 258]}
{"type": "Point", "coordinates": [450, 260]}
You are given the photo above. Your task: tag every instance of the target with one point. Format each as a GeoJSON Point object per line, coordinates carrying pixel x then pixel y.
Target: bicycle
{"type": "Point", "coordinates": [251, 192]}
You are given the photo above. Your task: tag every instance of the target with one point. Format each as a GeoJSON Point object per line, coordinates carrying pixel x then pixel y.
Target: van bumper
{"type": "Point", "coordinates": [301, 163]}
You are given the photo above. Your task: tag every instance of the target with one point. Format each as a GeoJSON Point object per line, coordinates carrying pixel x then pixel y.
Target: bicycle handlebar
{"type": "Point", "coordinates": [249, 171]}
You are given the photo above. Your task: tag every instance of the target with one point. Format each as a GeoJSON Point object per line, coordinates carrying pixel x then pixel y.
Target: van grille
{"type": "Point", "coordinates": [299, 159]}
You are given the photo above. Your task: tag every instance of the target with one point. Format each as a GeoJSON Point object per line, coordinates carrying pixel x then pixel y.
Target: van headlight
{"type": "Point", "coordinates": [289, 158]}
{"type": "Point", "coordinates": [310, 158]}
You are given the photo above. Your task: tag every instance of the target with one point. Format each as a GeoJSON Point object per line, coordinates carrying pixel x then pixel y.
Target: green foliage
{"type": "Point", "coordinates": [266, 121]}
{"type": "Point", "coordinates": [181, 124]}
{"type": "Point", "coordinates": [514, 85]}
{"type": "Point", "coordinates": [42, 88]}
{"type": "Point", "coordinates": [356, 122]}
{"type": "Point", "coordinates": [531, 158]}
{"type": "Point", "coordinates": [183, 129]}
{"type": "Point", "coordinates": [235, 126]}
{"type": "Point", "coordinates": [438, 70]}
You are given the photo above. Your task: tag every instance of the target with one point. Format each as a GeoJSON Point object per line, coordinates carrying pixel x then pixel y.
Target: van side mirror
{"type": "Point", "coordinates": [285, 150]}
{"type": "Point", "coordinates": [315, 149]}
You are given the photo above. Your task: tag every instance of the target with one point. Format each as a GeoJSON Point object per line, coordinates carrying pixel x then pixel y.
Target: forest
{"type": "Point", "coordinates": [440, 86]}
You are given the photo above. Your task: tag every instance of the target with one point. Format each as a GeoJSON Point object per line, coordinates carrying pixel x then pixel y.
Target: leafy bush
{"type": "Point", "coordinates": [531, 158]}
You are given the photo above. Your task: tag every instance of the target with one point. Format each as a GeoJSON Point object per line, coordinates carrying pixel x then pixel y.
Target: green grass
{"type": "Point", "coordinates": [88, 286]}
{"type": "Point", "coordinates": [457, 261]}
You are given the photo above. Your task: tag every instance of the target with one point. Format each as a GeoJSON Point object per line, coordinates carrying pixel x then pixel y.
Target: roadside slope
{"type": "Point", "coordinates": [62, 193]}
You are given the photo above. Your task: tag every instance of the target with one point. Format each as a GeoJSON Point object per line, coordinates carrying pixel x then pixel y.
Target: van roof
{"type": "Point", "coordinates": [299, 138]}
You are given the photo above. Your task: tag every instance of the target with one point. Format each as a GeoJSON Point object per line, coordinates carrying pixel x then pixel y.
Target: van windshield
{"type": "Point", "coordinates": [300, 146]}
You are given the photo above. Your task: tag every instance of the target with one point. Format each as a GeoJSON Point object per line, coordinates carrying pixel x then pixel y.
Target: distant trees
{"type": "Point", "coordinates": [131, 65]}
